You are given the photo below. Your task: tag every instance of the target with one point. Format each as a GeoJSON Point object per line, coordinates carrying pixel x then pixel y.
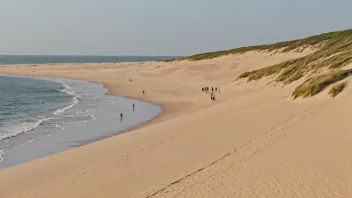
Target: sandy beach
{"type": "Point", "coordinates": [253, 141]}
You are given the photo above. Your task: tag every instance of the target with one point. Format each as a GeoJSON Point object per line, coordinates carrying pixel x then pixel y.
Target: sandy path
{"type": "Point", "coordinates": [252, 142]}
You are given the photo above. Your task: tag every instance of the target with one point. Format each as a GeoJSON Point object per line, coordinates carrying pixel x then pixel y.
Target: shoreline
{"type": "Point", "coordinates": [77, 59]}
{"type": "Point", "coordinates": [160, 115]}
{"type": "Point", "coordinates": [164, 107]}
{"type": "Point", "coordinates": [237, 146]}
{"type": "Point", "coordinates": [89, 140]}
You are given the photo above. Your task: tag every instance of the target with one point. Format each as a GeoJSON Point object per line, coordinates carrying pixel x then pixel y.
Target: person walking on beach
{"type": "Point", "coordinates": [143, 92]}
{"type": "Point", "coordinates": [121, 116]}
{"type": "Point", "coordinates": [133, 107]}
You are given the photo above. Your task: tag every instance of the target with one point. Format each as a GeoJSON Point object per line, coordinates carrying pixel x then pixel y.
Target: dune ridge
{"type": "Point", "coordinates": [253, 141]}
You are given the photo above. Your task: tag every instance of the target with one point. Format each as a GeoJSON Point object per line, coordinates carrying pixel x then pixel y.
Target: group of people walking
{"type": "Point", "coordinates": [207, 89]}
{"type": "Point", "coordinates": [213, 90]}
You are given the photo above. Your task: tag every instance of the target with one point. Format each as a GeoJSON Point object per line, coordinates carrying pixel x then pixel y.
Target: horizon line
{"type": "Point", "coordinates": [95, 55]}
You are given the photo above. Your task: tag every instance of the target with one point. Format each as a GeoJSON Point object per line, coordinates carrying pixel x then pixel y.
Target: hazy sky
{"type": "Point", "coordinates": [160, 27]}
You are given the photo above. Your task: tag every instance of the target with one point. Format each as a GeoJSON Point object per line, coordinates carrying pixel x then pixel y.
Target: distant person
{"type": "Point", "coordinates": [133, 106]}
{"type": "Point", "coordinates": [202, 89]}
{"type": "Point", "coordinates": [214, 97]}
{"type": "Point", "coordinates": [121, 116]}
{"type": "Point", "coordinates": [216, 89]}
{"type": "Point", "coordinates": [212, 89]}
{"type": "Point", "coordinates": [143, 92]}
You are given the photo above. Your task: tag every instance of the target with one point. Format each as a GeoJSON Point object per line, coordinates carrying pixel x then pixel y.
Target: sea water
{"type": "Point", "coordinates": [20, 59]}
{"type": "Point", "coordinates": [44, 116]}
{"type": "Point", "coordinates": [26, 103]}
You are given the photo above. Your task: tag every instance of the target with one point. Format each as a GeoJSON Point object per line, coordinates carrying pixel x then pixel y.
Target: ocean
{"type": "Point", "coordinates": [43, 116]}
{"type": "Point", "coordinates": [26, 59]}
{"type": "Point", "coordinates": [25, 103]}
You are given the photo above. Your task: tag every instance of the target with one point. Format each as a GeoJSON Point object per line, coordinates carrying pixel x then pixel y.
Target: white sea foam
{"type": "Point", "coordinates": [61, 111]}
{"type": "Point", "coordinates": [68, 90]}
{"type": "Point", "coordinates": [37, 138]}
{"type": "Point", "coordinates": [92, 117]}
{"type": "Point", "coordinates": [2, 152]}
{"type": "Point", "coordinates": [15, 130]}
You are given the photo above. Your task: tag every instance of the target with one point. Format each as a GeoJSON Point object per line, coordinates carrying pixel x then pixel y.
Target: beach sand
{"type": "Point", "coordinates": [253, 141]}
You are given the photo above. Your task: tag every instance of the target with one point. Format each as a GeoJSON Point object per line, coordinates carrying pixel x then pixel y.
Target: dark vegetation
{"type": "Point", "coordinates": [336, 89]}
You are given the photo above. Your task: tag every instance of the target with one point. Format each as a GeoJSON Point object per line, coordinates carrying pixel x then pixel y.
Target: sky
{"type": "Point", "coordinates": [160, 27]}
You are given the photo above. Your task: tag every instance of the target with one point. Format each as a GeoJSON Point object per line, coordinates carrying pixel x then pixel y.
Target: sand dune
{"type": "Point", "coordinates": [254, 141]}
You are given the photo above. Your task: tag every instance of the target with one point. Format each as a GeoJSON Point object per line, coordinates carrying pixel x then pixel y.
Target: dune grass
{"type": "Point", "coordinates": [167, 61]}
{"type": "Point", "coordinates": [316, 84]}
{"type": "Point", "coordinates": [287, 46]}
{"type": "Point", "coordinates": [334, 53]}
{"type": "Point", "coordinates": [336, 89]}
